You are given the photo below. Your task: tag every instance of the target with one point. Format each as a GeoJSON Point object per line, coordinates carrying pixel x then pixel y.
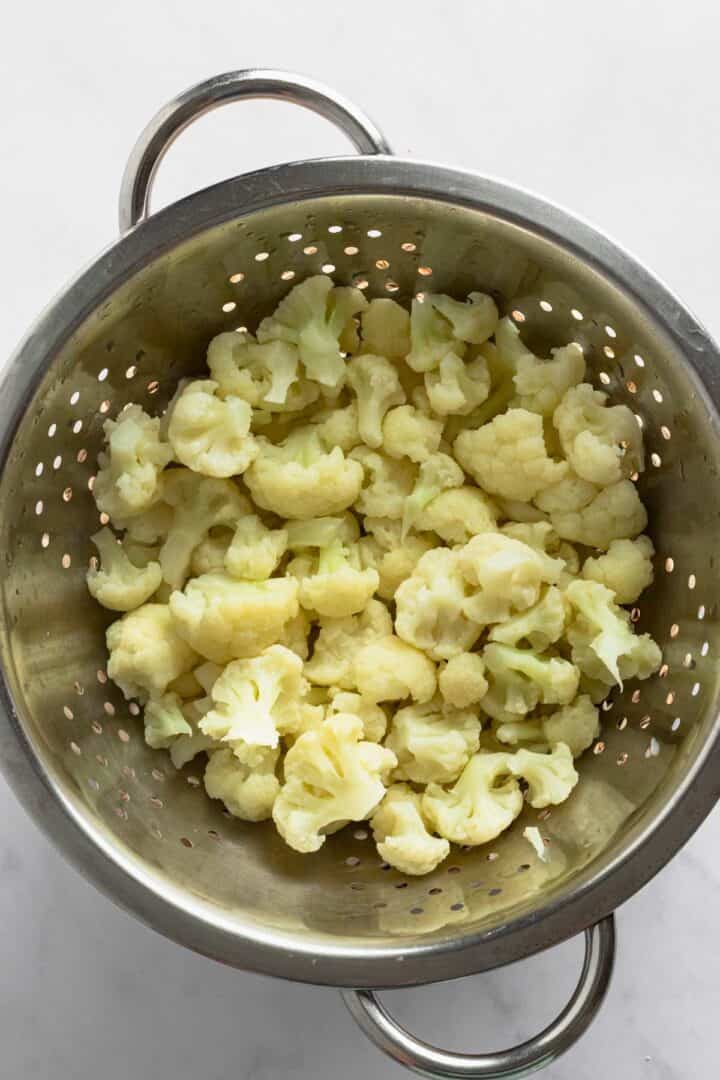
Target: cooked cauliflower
{"type": "Point", "coordinates": [314, 316]}
{"type": "Point", "coordinates": [385, 327]}
{"type": "Point", "coordinates": [432, 741]}
{"type": "Point", "coordinates": [340, 640]}
{"type": "Point", "coordinates": [117, 583]}
{"type": "Point", "coordinates": [603, 444]}
{"type": "Point", "coordinates": [388, 669]}
{"type": "Point", "coordinates": [520, 680]}
{"type": "Point", "coordinates": [430, 606]}
{"type": "Point", "coordinates": [401, 835]}
{"type": "Point", "coordinates": [503, 576]}
{"type": "Point", "coordinates": [331, 776]}
{"type": "Point", "coordinates": [295, 634]}
{"type": "Point", "coordinates": [438, 473]}
{"type": "Point", "coordinates": [550, 777]}
{"type": "Point", "coordinates": [458, 514]}
{"type": "Point", "coordinates": [603, 643]}
{"type": "Point", "coordinates": [539, 626]}
{"type": "Point", "coordinates": [185, 748]}
{"type": "Point", "coordinates": [570, 493]}
{"type": "Point", "coordinates": [541, 384]}
{"type": "Point", "coordinates": [338, 427]}
{"type": "Point", "coordinates": [462, 681]}
{"type": "Point", "coordinates": [331, 581]}
{"type": "Point", "coordinates": [386, 485]}
{"type": "Point", "coordinates": [300, 478]}
{"type": "Point", "coordinates": [577, 725]}
{"type": "Point", "coordinates": [146, 652]}
{"type": "Point", "coordinates": [431, 337]}
{"type": "Point", "coordinates": [615, 513]}
{"type": "Point", "coordinates": [508, 457]}
{"type": "Point", "coordinates": [457, 386]}
{"type": "Point", "coordinates": [409, 432]}
{"type": "Point", "coordinates": [480, 805]}
{"type": "Point", "coordinates": [626, 569]}
{"type": "Point", "coordinates": [266, 376]}
{"type": "Point", "coordinates": [255, 551]}
{"type": "Point", "coordinates": [377, 388]}
{"type": "Point", "coordinates": [209, 556]}
{"type": "Point", "coordinates": [225, 619]}
{"type": "Point", "coordinates": [473, 320]}
{"type": "Point", "coordinates": [210, 434]}
{"type": "Point", "coordinates": [127, 480]}
{"type": "Point", "coordinates": [393, 557]}
{"type": "Point", "coordinates": [248, 788]}
{"type": "Point", "coordinates": [164, 721]}
{"type": "Point", "coordinates": [374, 720]}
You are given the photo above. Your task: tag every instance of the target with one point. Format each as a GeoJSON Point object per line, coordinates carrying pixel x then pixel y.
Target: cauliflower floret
{"type": "Point", "coordinates": [299, 478]}
{"type": "Point", "coordinates": [550, 777]}
{"type": "Point", "coordinates": [266, 376]}
{"type": "Point", "coordinates": [146, 652]}
{"type": "Point", "coordinates": [248, 788]}
{"type": "Point", "coordinates": [626, 569]}
{"type": "Point", "coordinates": [432, 741]}
{"type": "Point", "coordinates": [520, 680]}
{"type": "Point", "coordinates": [438, 473]}
{"type": "Point", "coordinates": [458, 514]}
{"type": "Point", "coordinates": [331, 582]}
{"type": "Point", "coordinates": [603, 444]}
{"type": "Point", "coordinates": [198, 504]}
{"type": "Point", "coordinates": [338, 427]}
{"type": "Point", "coordinates": [389, 669]}
{"type": "Point", "coordinates": [331, 776]}
{"type": "Point", "coordinates": [255, 550]}
{"type": "Point", "coordinates": [602, 639]}
{"type": "Point", "coordinates": [541, 384]}
{"type": "Point", "coordinates": [340, 640]}
{"type": "Point", "coordinates": [118, 584]}
{"type": "Point", "coordinates": [615, 513]}
{"type": "Point", "coordinates": [480, 805]}
{"type": "Point", "coordinates": [430, 607]}
{"type": "Point", "coordinates": [462, 681]}
{"type": "Point", "coordinates": [164, 721]}
{"type": "Point", "coordinates": [225, 619]}
{"type": "Point", "coordinates": [386, 485]}
{"type": "Point", "coordinates": [503, 359]}
{"type": "Point", "coordinates": [513, 732]}
{"type": "Point", "coordinates": [515, 511]}
{"type": "Point", "coordinates": [456, 386]}
{"type": "Point", "coordinates": [127, 480]}
{"type": "Point", "coordinates": [505, 576]}
{"type": "Point", "coordinates": [538, 626]}
{"type": "Point", "coordinates": [185, 748]}
{"type": "Point", "coordinates": [507, 457]}
{"type": "Point", "coordinates": [408, 432]}
{"type": "Point", "coordinates": [314, 316]}
{"type": "Point", "coordinates": [393, 558]}
{"type": "Point", "coordinates": [577, 725]}
{"type": "Point", "coordinates": [377, 388]}
{"type": "Point", "coordinates": [385, 327]}
{"type": "Point", "coordinates": [210, 434]}
{"type": "Point", "coordinates": [295, 634]}
{"type": "Point", "coordinates": [256, 700]}
{"type": "Point", "coordinates": [570, 493]}
{"type": "Point", "coordinates": [401, 835]}
{"type": "Point", "coordinates": [374, 720]}
{"type": "Point", "coordinates": [472, 320]}
{"type": "Point", "coordinates": [209, 556]}
{"type": "Point", "coordinates": [431, 337]}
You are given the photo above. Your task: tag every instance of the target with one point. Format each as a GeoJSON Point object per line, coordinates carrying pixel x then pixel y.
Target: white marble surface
{"type": "Point", "coordinates": [610, 109]}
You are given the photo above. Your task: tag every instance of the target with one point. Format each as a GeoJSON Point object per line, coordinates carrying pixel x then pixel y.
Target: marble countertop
{"type": "Point", "coordinates": [603, 111]}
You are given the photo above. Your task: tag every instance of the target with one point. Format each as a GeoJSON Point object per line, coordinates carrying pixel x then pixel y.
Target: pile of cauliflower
{"type": "Point", "coordinates": [373, 566]}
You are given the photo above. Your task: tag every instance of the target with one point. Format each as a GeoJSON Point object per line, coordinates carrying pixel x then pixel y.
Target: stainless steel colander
{"type": "Point", "coordinates": [126, 330]}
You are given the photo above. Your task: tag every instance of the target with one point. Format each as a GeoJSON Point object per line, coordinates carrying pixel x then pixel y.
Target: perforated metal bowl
{"type": "Point", "coordinates": [126, 330]}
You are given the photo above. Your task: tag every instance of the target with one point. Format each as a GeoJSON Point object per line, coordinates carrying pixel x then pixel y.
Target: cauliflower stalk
{"type": "Point", "coordinates": [402, 836]}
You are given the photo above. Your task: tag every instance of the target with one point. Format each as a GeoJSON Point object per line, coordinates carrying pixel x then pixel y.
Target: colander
{"type": "Point", "coordinates": [126, 330]}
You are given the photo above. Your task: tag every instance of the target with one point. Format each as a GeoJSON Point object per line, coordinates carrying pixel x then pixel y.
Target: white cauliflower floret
{"type": "Point", "coordinates": [127, 480]}
{"type": "Point", "coordinates": [520, 680]}
{"type": "Point", "coordinates": [300, 478]}
{"type": "Point", "coordinates": [255, 550]}
{"type": "Point", "coordinates": [198, 504]}
{"type": "Point", "coordinates": [577, 725]}
{"type": "Point", "coordinates": [393, 558]}
{"type": "Point", "coordinates": [295, 634]}
{"type": "Point", "coordinates": [386, 485]}
{"type": "Point", "coordinates": [550, 777]}
{"type": "Point", "coordinates": [505, 576]}
{"type": "Point", "coordinates": [538, 626]}
{"type": "Point", "coordinates": [385, 327]}
{"type": "Point", "coordinates": [257, 699]}
{"type": "Point", "coordinates": [538, 535]}
{"type": "Point", "coordinates": [472, 320]}
{"type": "Point", "coordinates": [185, 748]}
{"type": "Point", "coordinates": [331, 581]}
{"type": "Point", "coordinates": [401, 835]}
{"type": "Point", "coordinates": [164, 721]}
{"type": "Point", "coordinates": [570, 493]}
{"type": "Point", "coordinates": [225, 619]}
{"type": "Point", "coordinates": [389, 669]}
{"type": "Point", "coordinates": [209, 556]}
{"type": "Point", "coordinates": [602, 639]}
{"type": "Point", "coordinates": [266, 376]}
{"type": "Point", "coordinates": [432, 741]}
{"type": "Point", "coordinates": [507, 457]}
{"type": "Point", "coordinates": [431, 337]}
{"type": "Point", "coordinates": [248, 788]}
{"type": "Point", "coordinates": [331, 776]}
{"type": "Point", "coordinates": [462, 681]}
{"type": "Point", "coordinates": [438, 473]}
{"type": "Point", "coordinates": [409, 432]}
{"type": "Point", "coordinates": [209, 434]}
{"type": "Point", "coordinates": [457, 386]}
{"type": "Point", "coordinates": [458, 514]}
{"type": "Point", "coordinates": [314, 316]}
{"type": "Point", "coordinates": [481, 804]}
{"type": "Point", "coordinates": [626, 569]}
{"type": "Point", "coordinates": [603, 444]}
{"type": "Point", "coordinates": [146, 652]}
{"type": "Point", "coordinates": [615, 513]}
{"type": "Point", "coordinates": [430, 607]}
{"type": "Point", "coordinates": [374, 720]}
{"type": "Point", "coordinates": [541, 384]}
{"type": "Point", "coordinates": [339, 641]}
{"type": "Point", "coordinates": [117, 583]}
{"type": "Point", "coordinates": [377, 388]}
{"type": "Point", "coordinates": [338, 427]}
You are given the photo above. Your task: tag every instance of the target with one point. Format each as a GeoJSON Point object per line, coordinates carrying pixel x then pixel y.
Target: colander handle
{"type": "Point", "coordinates": [530, 1056]}
{"type": "Point", "coordinates": [179, 113]}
